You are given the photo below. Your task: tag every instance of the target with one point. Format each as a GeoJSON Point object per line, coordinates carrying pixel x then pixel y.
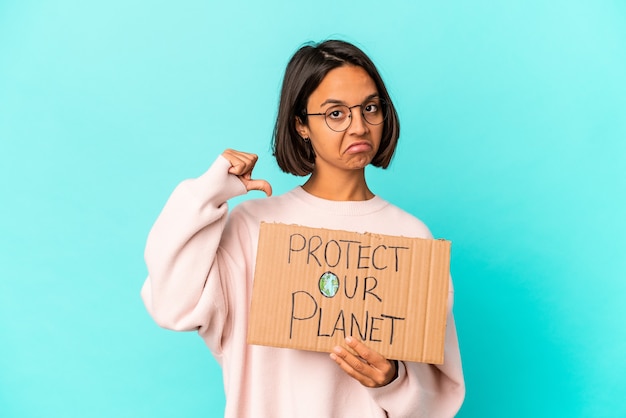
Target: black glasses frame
{"type": "Point", "coordinates": [383, 108]}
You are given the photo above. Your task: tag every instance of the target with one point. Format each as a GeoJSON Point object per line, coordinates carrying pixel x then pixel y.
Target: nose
{"type": "Point", "coordinates": [358, 126]}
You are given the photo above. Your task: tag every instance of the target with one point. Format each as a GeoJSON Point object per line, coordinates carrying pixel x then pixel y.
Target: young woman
{"type": "Point", "coordinates": [335, 118]}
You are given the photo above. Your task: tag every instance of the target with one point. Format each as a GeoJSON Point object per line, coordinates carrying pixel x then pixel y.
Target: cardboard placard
{"type": "Point", "coordinates": [313, 287]}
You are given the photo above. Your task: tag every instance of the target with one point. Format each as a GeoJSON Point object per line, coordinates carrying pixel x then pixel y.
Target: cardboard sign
{"type": "Point", "coordinates": [313, 287]}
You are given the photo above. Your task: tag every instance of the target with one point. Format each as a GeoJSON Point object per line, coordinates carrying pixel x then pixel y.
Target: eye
{"type": "Point", "coordinates": [336, 113]}
{"type": "Point", "coordinates": [371, 108]}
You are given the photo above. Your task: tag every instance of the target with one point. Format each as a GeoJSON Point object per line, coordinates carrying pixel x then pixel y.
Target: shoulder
{"type": "Point", "coordinates": [244, 219]}
{"type": "Point", "coordinates": [400, 222]}
{"type": "Point", "coordinates": [261, 207]}
{"type": "Point", "coordinates": [276, 208]}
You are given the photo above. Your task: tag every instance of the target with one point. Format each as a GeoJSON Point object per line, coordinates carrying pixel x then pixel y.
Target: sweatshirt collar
{"type": "Point", "coordinates": [348, 208]}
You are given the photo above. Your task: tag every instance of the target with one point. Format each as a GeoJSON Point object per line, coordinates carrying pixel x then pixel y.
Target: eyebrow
{"type": "Point", "coordinates": [341, 102]}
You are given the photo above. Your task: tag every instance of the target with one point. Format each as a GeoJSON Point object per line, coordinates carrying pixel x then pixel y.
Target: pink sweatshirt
{"type": "Point", "coordinates": [201, 263]}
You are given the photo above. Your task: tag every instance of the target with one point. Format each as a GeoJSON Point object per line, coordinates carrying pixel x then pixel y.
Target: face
{"type": "Point", "coordinates": [354, 148]}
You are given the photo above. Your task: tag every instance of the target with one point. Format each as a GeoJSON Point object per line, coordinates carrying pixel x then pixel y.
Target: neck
{"type": "Point", "coordinates": [349, 186]}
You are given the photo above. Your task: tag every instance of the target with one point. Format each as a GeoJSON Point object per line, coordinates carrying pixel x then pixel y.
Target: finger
{"type": "Point", "coordinates": [231, 153]}
{"type": "Point", "coordinates": [370, 356]}
{"type": "Point", "coordinates": [383, 370]}
{"type": "Point", "coordinates": [237, 168]}
{"type": "Point", "coordinates": [241, 165]}
{"type": "Point", "coordinates": [369, 367]}
{"type": "Point", "coordinates": [261, 185]}
{"type": "Point", "coordinates": [241, 162]}
{"type": "Point", "coordinates": [352, 366]}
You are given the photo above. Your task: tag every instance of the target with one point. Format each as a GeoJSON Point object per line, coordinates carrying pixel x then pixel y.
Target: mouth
{"type": "Point", "coordinates": [357, 147]}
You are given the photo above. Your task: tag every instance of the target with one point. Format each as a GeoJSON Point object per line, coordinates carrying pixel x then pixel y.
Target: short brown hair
{"type": "Point", "coordinates": [305, 71]}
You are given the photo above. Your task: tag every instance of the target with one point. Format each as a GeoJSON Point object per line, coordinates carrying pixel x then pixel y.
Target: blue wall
{"type": "Point", "coordinates": [513, 146]}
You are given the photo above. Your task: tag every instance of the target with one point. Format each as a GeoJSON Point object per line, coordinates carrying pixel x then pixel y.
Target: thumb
{"type": "Point", "coordinates": [261, 185]}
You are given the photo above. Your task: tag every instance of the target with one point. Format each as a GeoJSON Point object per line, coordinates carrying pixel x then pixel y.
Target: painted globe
{"type": "Point", "coordinates": [329, 284]}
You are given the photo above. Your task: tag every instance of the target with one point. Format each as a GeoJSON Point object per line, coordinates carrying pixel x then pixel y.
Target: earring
{"type": "Point", "coordinates": [305, 139]}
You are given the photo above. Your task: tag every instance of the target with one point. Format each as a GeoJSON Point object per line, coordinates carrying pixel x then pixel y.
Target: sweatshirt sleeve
{"type": "Point", "coordinates": [427, 390]}
{"type": "Point", "coordinates": [183, 290]}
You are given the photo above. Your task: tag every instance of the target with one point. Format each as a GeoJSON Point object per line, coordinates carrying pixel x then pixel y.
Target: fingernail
{"type": "Point", "coordinates": [333, 356]}
{"type": "Point", "coordinates": [348, 340]}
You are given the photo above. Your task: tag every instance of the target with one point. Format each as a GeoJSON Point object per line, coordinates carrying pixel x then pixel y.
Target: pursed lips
{"type": "Point", "coordinates": [360, 146]}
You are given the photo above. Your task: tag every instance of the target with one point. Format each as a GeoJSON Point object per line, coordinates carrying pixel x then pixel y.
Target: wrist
{"type": "Point", "coordinates": [395, 368]}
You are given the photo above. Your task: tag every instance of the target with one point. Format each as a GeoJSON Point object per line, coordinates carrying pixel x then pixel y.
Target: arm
{"type": "Point", "coordinates": [183, 290]}
{"type": "Point", "coordinates": [181, 249]}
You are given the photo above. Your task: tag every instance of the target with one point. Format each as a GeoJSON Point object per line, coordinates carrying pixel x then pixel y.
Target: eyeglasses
{"type": "Point", "coordinates": [339, 117]}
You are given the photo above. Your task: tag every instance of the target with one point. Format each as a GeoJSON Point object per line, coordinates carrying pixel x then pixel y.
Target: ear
{"type": "Point", "coordinates": [301, 128]}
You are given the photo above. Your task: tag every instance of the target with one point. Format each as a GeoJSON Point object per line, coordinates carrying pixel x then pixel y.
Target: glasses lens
{"type": "Point", "coordinates": [338, 118]}
{"type": "Point", "coordinates": [374, 112]}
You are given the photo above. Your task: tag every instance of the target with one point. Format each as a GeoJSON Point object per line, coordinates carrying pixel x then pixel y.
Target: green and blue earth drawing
{"type": "Point", "coordinates": [329, 284]}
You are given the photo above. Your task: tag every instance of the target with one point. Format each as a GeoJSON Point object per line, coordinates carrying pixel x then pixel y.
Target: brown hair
{"type": "Point", "coordinates": [305, 71]}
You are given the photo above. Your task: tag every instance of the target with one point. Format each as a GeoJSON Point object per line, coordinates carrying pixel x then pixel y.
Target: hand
{"type": "Point", "coordinates": [370, 368]}
{"type": "Point", "coordinates": [242, 164]}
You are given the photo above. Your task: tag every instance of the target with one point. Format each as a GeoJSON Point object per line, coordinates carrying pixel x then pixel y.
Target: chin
{"type": "Point", "coordinates": [359, 163]}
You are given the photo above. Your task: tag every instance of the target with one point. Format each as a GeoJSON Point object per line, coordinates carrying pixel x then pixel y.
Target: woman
{"type": "Point", "coordinates": [335, 117]}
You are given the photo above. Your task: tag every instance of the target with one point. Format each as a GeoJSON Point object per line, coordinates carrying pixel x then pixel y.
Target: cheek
{"type": "Point", "coordinates": [325, 137]}
{"type": "Point", "coordinates": [377, 134]}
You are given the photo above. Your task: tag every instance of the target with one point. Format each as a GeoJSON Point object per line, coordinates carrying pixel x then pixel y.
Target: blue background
{"type": "Point", "coordinates": [513, 146]}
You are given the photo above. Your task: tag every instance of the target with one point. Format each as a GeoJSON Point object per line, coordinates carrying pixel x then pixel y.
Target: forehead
{"type": "Point", "coordinates": [349, 84]}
